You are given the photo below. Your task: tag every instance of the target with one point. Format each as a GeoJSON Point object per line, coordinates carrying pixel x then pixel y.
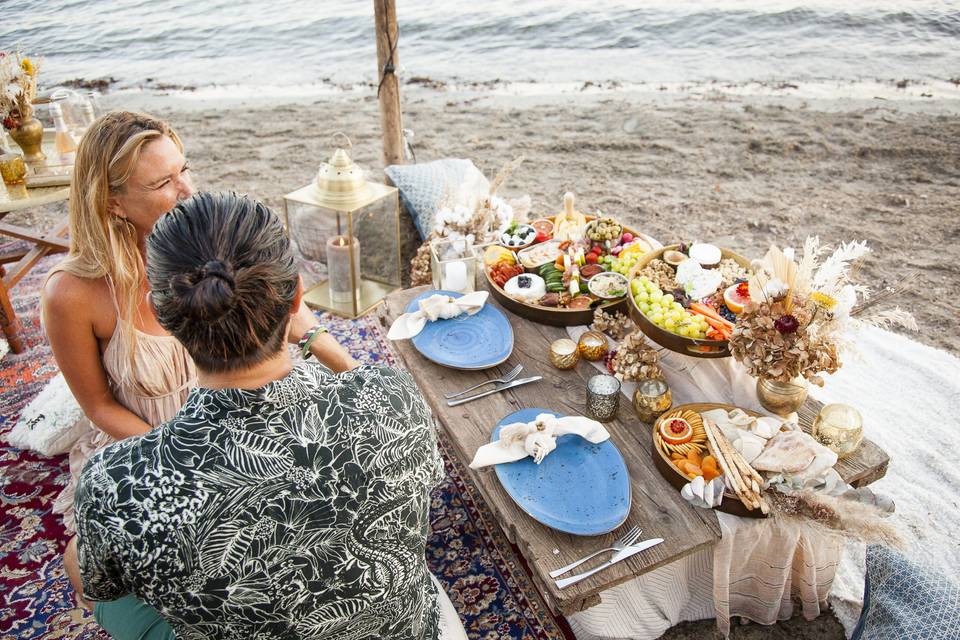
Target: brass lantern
{"type": "Point", "coordinates": [352, 228]}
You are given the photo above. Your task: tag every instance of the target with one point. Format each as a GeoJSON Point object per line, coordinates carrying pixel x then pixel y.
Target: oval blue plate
{"type": "Point", "coordinates": [579, 488]}
{"type": "Point", "coordinates": [480, 341]}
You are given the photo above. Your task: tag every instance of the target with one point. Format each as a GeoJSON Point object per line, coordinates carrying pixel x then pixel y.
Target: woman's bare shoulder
{"type": "Point", "coordinates": [67, 292]}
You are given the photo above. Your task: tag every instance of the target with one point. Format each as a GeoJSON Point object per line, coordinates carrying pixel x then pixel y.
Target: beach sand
{"type": "Point", "coordinates": [741, 171]}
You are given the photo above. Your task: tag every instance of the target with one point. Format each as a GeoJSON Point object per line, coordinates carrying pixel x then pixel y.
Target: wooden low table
{"type": "Point", "coordinates": [657, 507]}
{"type": "Point", "coordinates": [17, 198]}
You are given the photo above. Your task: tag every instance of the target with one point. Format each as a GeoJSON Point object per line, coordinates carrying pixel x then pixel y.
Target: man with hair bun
{"type": "Point", "coordinates": [281, 501]}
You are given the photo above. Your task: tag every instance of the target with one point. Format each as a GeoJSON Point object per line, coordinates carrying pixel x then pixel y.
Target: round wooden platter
{"type": "Point", "coordinates": [694, 347]}
{"type": "Point", "coordinates": [563, 317]}
{"type": "Point", "coordinates": [731, 503]}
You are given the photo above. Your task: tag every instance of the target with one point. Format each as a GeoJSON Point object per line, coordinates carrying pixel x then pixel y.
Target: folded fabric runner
{"type": "Point", "coordinates": [536, 439]}
{"type": "Point", "coordinates": [436, 307]}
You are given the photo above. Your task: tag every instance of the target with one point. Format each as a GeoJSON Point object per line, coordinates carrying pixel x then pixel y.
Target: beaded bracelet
{"type": "Point", "coordinates": [304, 344]}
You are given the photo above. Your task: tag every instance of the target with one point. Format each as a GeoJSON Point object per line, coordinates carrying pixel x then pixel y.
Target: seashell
{"type": "Point", "coordinates": [702, 494]}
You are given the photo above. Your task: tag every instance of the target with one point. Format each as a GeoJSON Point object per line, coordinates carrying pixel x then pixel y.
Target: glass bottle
{"type": "Point", "coordinates": [64, 140]}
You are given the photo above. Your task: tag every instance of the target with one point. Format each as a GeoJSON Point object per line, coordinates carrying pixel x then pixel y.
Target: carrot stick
{"type": "Point", "coordinates": [709, 314]}
{"type": "Point", "coordinates": [716, 324]}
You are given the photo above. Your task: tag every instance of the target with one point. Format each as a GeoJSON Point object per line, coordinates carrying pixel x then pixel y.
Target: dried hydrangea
{"type": "Point", "coordinates": [768, 353]}
{"type": "Point", "coordinates": [636, 359]}
{"type": "Point", "coordinates": [420, 266]}
{"type": "Point", "coordinates": [616, 325]}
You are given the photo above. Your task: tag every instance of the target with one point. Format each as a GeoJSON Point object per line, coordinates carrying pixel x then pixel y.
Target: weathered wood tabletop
{"type": "Point", "coordinates": [657, 507]}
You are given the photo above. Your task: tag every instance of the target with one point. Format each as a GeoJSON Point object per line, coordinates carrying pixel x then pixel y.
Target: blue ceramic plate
{"type": "Point", "coordinates": [480, 341]}
{"type": "Point", "coordinates": [579, 488]}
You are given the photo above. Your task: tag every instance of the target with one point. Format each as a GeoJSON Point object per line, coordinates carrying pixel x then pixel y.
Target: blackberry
{"type": "Point", "coordinates": [726, 314]}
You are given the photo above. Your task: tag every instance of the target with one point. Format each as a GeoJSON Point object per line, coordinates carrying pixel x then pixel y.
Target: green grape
{"type": "Point", "coordinates": [667, 299]}
{"type": "Point", "coordinates": [644, 306]}
{"type": "Point", "coordinates": [657, 317]}
{"type": "Point", "coordinates": [670, 323]}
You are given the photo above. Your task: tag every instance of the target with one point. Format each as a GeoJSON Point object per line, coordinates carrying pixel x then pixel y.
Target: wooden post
{"type": "Point", "coordinates": [388, 88]}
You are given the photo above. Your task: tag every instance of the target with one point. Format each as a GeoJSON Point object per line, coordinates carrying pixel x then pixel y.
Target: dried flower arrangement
{"type": "Point", "coordinates": [18, 88]}
{"type": "Point", "coordinates": [635, 359]}
{"type": "Point", "coordinates": [616, 325]}
{"type": "Point", "coordinates": [478, 220]}
{"type": "Point", "coordinates": [850, 517]}
{"type": "Point", "coordinates": [800, 315]}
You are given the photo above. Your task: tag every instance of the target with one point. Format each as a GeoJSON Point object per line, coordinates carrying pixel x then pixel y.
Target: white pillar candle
{"type": "Point", "coordinates": [455, 276]}
{"type": "Point", "coordinates": [338, 268]}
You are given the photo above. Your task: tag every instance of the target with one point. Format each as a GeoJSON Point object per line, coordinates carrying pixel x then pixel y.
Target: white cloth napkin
{"type": "Point", "coordinates": [536, 439]}
{"type": "Point", "coordinates": [436, 307]}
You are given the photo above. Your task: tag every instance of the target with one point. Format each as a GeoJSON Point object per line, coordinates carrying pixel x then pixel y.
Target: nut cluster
{"type": "Point", "coordinates": [731, 271]}
{"type": "Point", "coordinates": [660, 273]}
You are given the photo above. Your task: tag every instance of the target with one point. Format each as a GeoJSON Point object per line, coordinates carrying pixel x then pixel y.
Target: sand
{"type": "Point", "coordinates": [743, 171]}
{"type": "Point", "coordinates": [739, 170]}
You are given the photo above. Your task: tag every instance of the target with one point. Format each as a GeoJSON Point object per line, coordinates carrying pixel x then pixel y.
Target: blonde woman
{"type": "Point", "coordinates": [126, 372]}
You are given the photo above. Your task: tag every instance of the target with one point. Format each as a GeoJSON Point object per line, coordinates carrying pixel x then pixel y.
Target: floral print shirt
{"type": "Point", "coordinates": [296, 510]}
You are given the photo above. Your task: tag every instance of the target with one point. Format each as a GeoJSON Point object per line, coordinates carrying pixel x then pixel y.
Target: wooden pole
{"type": "Point", "coordinates": [388, 87]}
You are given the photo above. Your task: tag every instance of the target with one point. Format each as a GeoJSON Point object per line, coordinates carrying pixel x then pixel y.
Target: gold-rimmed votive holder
{"type": "Point", "coordinates": [13, 170]}
{"type": "Point", "coordinates": [564, 353]}
{"type": "Point", "coordinates": [603, 397]}
{"type": "Point", "coordinates": [593, 345]}
{"type": "Point", "coordinates": [651, 398]}
{"type": "Point", "coordinates": [839, 427]}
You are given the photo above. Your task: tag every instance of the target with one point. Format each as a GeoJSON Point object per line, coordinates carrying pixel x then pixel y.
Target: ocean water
{"type": "Point", "coordinates": [245, 44]}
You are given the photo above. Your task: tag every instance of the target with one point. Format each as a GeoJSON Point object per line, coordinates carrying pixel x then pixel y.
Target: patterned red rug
{"type": "Point", "coordinates": [467, 551]}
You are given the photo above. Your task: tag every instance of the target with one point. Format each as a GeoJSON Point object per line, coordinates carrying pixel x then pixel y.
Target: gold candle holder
{"type": "Point", "coordinates": [593, 345]}
{"type": "Point", "coordinates": [13, 170]}
{"type": "Point", "coordinates": [839, 427]}
{"type": "Point", "coordinates": [564, 353]}
{"type": "Point", "coordinates": [651, 399]}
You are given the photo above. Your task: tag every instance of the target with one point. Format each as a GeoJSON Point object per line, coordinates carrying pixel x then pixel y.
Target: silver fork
{"type": "Point", "coordinates": [507, 378]}
{"type": "Point", "coordinates": [619, 544]}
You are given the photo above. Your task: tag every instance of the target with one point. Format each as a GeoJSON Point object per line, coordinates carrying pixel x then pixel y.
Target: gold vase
{"type": "Point", "coordinates": [29, 135]}
{"type": "Point", "coordinates": [782, 398]}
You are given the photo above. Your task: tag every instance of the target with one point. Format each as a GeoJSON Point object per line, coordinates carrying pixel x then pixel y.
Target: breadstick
{"type": "Point", "coordinates": [751, 479]}
{"type": "Point", "coordinates": [728, 469]}
{"type": "Point", "coordinates": [748, 472]}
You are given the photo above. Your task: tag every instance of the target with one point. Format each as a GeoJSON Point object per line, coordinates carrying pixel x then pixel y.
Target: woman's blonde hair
{"type": "Point", "coordinates": [103, 244]}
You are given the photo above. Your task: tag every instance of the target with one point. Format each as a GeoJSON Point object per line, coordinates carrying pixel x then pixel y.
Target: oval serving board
{"type": "Point", "coordinates": [579, 488]}
{"type": "Point", "coordinates": [661, 459]}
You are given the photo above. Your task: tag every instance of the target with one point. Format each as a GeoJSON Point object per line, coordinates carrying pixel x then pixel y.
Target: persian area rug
{"type": "Point", "coordinates": [467, 551]}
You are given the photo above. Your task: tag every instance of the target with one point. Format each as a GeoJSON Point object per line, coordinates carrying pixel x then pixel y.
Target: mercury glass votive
{"type": "Point", "coordinates": [564, 353]}
{"type": "Point", "coordinates": [13, 170]}
{"type": "Point", "coordinates": [839, 427]}
{"type": "Point", "coordinates": [651, 399]}
{"type": "Point", "coordinates": [603, 397]}
{"type": "Point", "coordinates": [593, 345]}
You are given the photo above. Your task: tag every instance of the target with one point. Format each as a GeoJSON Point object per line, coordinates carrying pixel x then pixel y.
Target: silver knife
{"type": "Point", "coordinates": [509, 385]}
{"type": "Point", "coordinates": [617, 557]}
